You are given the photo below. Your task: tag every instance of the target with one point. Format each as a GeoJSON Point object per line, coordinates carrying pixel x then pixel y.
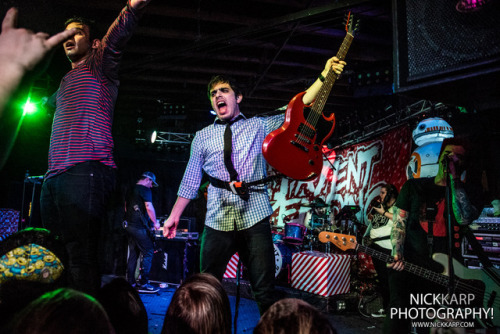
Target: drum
{"type": "Point", "coordinates": [277, 236]}
{"type": "Point", "coordinates": [283, 258]}
{"type": "Point", "coordinates": [294, 233]}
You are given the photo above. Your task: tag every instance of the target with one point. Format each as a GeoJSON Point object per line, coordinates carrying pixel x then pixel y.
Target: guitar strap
{"type": "Point", "coordinates": [430, 235]}
{"type": "Point", "coordinates": [145, 221]}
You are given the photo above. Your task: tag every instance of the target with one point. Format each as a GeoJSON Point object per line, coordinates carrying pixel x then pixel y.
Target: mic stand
{"type": "Point", "coordinates": [448, 199]}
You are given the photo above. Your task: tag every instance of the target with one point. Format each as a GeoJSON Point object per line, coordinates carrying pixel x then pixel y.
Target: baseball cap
{"type": "Point", "coordinates": [151, 176]}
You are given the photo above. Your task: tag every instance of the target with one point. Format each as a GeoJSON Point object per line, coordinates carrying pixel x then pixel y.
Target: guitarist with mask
{"type": "Point", "coordinates": [140, 219]}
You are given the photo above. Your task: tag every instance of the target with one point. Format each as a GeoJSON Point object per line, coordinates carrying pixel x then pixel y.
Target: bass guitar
{"type": "Point", "coordinates": [294, 149]}
{"type": "Point", "coordinates": [480, 283]}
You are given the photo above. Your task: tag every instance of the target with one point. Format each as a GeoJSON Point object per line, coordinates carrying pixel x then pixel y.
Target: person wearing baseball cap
{"type": "Point", "coordinates": [140, 219]}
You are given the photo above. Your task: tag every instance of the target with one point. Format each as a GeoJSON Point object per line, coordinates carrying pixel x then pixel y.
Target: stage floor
{"type": "Point", "coordinates": [349, 321]}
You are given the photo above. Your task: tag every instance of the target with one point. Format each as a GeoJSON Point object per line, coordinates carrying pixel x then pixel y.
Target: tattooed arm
{"type": "Point", "coordinates": [398, 234]}
{"type": "Point", "coordinates": [463, 209]}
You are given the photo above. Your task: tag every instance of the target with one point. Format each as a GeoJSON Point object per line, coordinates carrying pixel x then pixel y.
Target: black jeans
{"type": "Point", "coordinates": [382, 275]}
{"type": "Point", "coordinates": [73, 205]}
{"type": "Point", "coordinates": [139, 242]}
{"type": "Point", "coordinates": [255, 248]}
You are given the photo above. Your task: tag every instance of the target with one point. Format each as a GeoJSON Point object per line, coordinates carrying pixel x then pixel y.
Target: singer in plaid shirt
{"type": "Point", "coordinates": [234, 224]}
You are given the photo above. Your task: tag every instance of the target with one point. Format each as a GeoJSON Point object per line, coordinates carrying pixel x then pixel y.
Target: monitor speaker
{"type": "Point", "coordinates": [447, 51]}
{"type": "Point", "coordinates": [174, 260]}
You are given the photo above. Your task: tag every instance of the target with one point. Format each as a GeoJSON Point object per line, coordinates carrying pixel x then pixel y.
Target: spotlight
{"type": "Point", "coordinates": [153, 136]}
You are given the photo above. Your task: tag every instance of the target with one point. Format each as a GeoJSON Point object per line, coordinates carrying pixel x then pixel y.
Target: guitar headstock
{"type": "Point", "coordinates": [351, 24]}
{"type": "Point", "coordinates": [342, 241]}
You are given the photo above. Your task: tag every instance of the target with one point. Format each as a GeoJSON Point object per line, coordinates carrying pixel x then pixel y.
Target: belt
{"type": "Point", "coordinates": [240, 187]}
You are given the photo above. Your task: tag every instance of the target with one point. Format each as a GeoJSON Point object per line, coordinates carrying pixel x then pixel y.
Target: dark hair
{"type": "Point", "coordinates": [223, 79]}
{"type": "Point", "coordinates": [292, 315]}
{"type": "Point", "coordinates": [94, 32]}
{"type": "Point", "coordinates": [200, 305]}
{"type": "Point", "coordinates": [392, 192]}
{"type": "Point", "coordinates": [124, 307]}
{"type": "Point", "coordinates": [62, 311]}
{"type": "Point", "coordinates": [455, 141]}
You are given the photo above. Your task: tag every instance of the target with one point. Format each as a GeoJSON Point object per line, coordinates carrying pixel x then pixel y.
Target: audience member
{"type": "Point", "coordinates": [124, 307]}
{"type": "Point", "coordinates": [32, 262]}
{"type": "Point", "coordinates": [200, 305]}
{"type": "Point", "coordinates": [63, 311]}
{"type": "Point", "coordinates": [293, 316]}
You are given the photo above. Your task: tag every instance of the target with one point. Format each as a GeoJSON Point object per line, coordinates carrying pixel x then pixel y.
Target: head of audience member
{"type": "Point", "coordinates": [62, 311]}
{"type": "Point", "coordinates": [293, 316]}
{"type": "Point", "coordinates": [86, 39]}
{"type": "Point", "coordinates": [225, 96]}
{"type": "Point", "coordinates": [200, 305]}
{"type": "Point", "coordinates": [32, 262]}
{"type": "Point", "coordinates": [388, 195]}
{"type": "Point", "coordinates": [124, 307]}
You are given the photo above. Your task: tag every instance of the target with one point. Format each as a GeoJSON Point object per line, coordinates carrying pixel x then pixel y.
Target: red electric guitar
{"type": "Point", "coordinates": [295, 148]}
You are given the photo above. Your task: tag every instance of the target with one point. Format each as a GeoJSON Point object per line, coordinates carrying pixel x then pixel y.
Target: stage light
{"type": "Point", "coordinates": [153, 136]}
{"type": "Point", "coordinates": [29, 107]}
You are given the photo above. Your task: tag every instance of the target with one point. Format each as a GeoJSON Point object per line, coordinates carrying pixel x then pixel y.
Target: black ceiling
{"type": "Point", "coordinates": [274, 48]}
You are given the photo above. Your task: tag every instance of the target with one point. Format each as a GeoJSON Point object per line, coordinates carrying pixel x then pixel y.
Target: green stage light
{"type": "Point", "coordinates": [29, 107]}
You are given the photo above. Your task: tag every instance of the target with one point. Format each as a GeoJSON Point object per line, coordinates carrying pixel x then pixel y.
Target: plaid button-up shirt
{"type": "Point", "coordinates": [224, 208]}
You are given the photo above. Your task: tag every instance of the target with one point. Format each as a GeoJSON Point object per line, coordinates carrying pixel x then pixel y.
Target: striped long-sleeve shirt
{"type": "Point", "coordinates": [85, 100]}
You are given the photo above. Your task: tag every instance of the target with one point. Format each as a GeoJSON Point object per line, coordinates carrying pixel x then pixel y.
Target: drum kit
{"type": "Point", "coordinates": [301, 234]}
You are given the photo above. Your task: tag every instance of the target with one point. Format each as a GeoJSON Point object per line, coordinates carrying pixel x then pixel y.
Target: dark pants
{"type": "Point", "coordinates": [139, 242]}
{"type": "Point", "coordinates": [382, 275]}
{"type": "Point", "coordinates": [73, 205]}
{"type": "Point", "coordinates": [255, 248]}
{"type": "Point", "coordinates": [404, 283]}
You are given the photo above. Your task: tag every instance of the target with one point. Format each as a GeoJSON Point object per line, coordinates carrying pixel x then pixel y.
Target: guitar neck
{"type": "Point", "coordinates": [330, 78]}
{"type": "Point", "coordinates": [412, 268]}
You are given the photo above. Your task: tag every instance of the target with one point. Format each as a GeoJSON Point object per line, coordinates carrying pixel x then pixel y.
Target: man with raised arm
{"type": "Point", "coordinates": [235, 222]}
{"type": "Point", "coordinates": [81, 172]}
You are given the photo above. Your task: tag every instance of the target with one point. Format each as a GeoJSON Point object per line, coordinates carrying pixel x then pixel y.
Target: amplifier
{"type": "Point", "coordinates": [486, 225]}
{"type": "Point", "coordinates": [490, 243]}
{"type": "Point", "coordinates": [179, 235]}
{"type": "Point", "coordinates": [174, 260]}
{"type": "Point", "coordinates": [186, 224]}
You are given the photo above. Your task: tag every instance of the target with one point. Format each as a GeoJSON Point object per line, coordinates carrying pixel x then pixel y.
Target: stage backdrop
{"type": "Point", "coordinates": [351, 176]}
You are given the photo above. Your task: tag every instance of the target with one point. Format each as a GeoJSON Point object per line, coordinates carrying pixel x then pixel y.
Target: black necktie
{"type": "Point", "coordinates": [228, 149]}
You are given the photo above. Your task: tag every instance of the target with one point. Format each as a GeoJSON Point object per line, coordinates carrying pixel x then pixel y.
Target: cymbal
{"type": "Point", "coordinates": [315, 205]}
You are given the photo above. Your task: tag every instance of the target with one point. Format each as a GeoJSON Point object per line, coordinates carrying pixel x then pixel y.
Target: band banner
{"type": "Point", "coordinates": [350, 176]}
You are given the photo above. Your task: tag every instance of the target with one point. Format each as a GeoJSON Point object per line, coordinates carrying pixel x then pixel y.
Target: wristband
{"type": "Point", "coordinates": [321, 78]}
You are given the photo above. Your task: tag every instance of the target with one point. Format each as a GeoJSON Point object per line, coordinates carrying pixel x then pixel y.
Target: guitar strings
{"type": "Point", "coordinates": [442, 279]}
{"type": "Point", "coordinates": [316, 109]}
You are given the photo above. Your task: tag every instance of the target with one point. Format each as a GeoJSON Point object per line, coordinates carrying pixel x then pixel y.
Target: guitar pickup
{"type": "Point", "coordinates": [306, 131]}
{"type": "Point", "coordinates": [302, 147]}
{"type": "Point", "coordinates": [302, 138]}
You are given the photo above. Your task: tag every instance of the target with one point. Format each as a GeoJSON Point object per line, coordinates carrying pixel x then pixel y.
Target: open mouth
{"type": "Point", "coordinates": [69, 45]}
